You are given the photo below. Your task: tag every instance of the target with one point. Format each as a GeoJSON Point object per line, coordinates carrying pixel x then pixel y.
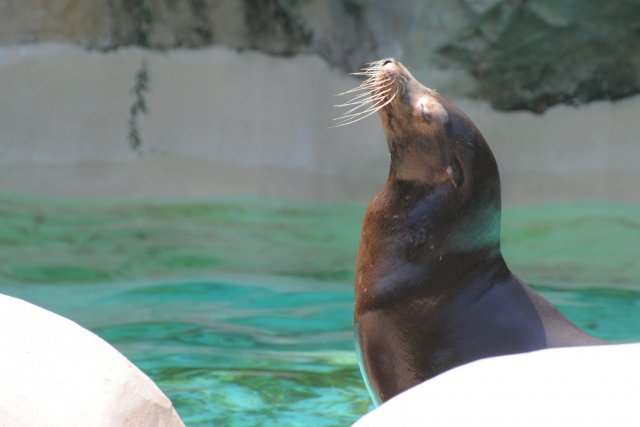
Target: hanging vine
{"type": "Point", "coordinates": [144, 21]}
{"type": "Point", "coordinates": [138, 91]}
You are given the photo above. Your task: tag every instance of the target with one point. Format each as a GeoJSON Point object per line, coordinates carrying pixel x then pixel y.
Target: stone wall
{"type": "Point", "coordinates": [219, 121]}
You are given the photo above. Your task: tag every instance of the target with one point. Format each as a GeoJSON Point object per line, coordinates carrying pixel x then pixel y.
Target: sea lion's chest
{"type": "Point", "coordinates": [403, 240]}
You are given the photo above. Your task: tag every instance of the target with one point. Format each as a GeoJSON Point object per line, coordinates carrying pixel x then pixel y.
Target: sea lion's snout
{"type": "Point", "coordinates": [416, 102]}
{"type": "Point", "coordinates": [416, 108]}
{"type": "Point", "coordinates": [379, 89]}
{"type": "Point", "coordinates": [394, 92]}
{"type": "Point", "coordinates": [391, 69]}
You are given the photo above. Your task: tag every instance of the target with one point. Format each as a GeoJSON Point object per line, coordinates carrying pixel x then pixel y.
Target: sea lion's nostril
{"type": "Point", "coordinates": [387, 61]}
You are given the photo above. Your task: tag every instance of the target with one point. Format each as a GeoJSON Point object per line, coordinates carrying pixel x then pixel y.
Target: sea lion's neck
{"type": "Point", "coordinates": [455, 184]}
{"type": "Point", "coordinates": [414, 166]}
{"type": "Point", "coordinates": [426, 237]}
{"type": "Point", "coordinates": [442, 213]}
{"type": "Point", "coordinates": [414, 161]}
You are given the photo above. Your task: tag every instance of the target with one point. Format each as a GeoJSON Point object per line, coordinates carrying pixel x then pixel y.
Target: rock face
{"type": "Point", "coordinates": [530, 55]}
{"type": "Point", "coordinates": [517, 54]}
{"type": "Point", "coordinates": [336, 29]}
{"type": "Point", "coordinates": [55, 373]}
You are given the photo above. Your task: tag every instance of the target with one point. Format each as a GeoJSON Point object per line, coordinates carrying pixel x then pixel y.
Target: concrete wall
{"type": "Point", "coordinates": [222, 122]}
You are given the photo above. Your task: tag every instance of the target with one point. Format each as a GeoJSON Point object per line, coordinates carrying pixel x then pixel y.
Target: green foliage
{"type": "Point", "coordinates": [144, 20]}
{"type": "Point", "coordinates": [138, 91]}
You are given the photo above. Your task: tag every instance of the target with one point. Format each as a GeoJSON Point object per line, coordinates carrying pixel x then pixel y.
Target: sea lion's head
{"type": "Point", "coordinates": [436, 150]}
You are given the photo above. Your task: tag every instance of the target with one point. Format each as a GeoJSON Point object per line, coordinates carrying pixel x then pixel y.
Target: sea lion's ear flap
{"type": "Point", "coordinates": [454, 172]}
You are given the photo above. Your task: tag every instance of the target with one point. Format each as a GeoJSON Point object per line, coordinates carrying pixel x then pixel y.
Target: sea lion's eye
{"type": "Point", "coordinates": [431, 111]}
{"type": "Point", "coordinates": [426, 114]}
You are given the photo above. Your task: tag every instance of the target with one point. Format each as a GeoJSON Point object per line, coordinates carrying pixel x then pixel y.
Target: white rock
{"type": "Point", "coordinates": [579, 386]}
{"type": "Point", "coordinates": [56, 373]}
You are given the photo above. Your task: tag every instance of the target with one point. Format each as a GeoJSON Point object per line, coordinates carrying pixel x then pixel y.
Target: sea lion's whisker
{"type": "Point", "coordinates": [347, 118]}
{"type": "Point", "coordinates": [386, 78]}
{"type": "Point", "coordinates": [357, 117]}
{"type": "Point", "coordinates": [371, 103]}
{"type": "Point", "coordinates": [373, 84]}
{"type": "Point", "coordinates": [355, 89]}
{"type": "Point", "coordinates": [367, 86]}
{"type": "Point", "coordinates": [373, 108]}
{"type": "Point", "coordinates": [366, 94]}
{"type": "Point", "coordinates": [375, 76]}
{"type": "Point", "coordinates": [364, 73]}
{"type": "Point", "coordinates": [368, 103]}
{"type": "Point", "coordinates": [380, 84]}
{"type": "Point", "coordinates": [380, 98]}
{"type": "Point", "coordinates": [365, 105]}
{"type": "Point", "coordinates": [382, 90]}
{"type": "Point", "coordinates": [376, 89]}
{"type": "Point", "coordinates": [352, 102]}
{"type": "Point", "coordinates": [371, 69]}
{"type": "Point", "coordinates": [373, 66]}
{"type": "Point", "coordinates": [363, 114]}
{"type": "Point", "coordinates": [357, 104]}
{"type": "Point", "coordinates": [354, 120]}
{"type": "Point", "coordinates": [370, 96]}
{"type": "Point", "coordinates": [379, 103]}
{"type": "Point", "coordinates": [388, 101]}
{"type": "Point", "coordinates": [364, 97]}
{"type": "Point", "coordinates": [362, 104]}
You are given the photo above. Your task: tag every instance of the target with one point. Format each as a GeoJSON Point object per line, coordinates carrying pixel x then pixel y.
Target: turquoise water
{"type": "Point", "coordinates": [240, 309]}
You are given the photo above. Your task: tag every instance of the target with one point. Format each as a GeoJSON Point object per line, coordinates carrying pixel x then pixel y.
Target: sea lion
{"type": "Point", "coordinates": [432, 289]}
